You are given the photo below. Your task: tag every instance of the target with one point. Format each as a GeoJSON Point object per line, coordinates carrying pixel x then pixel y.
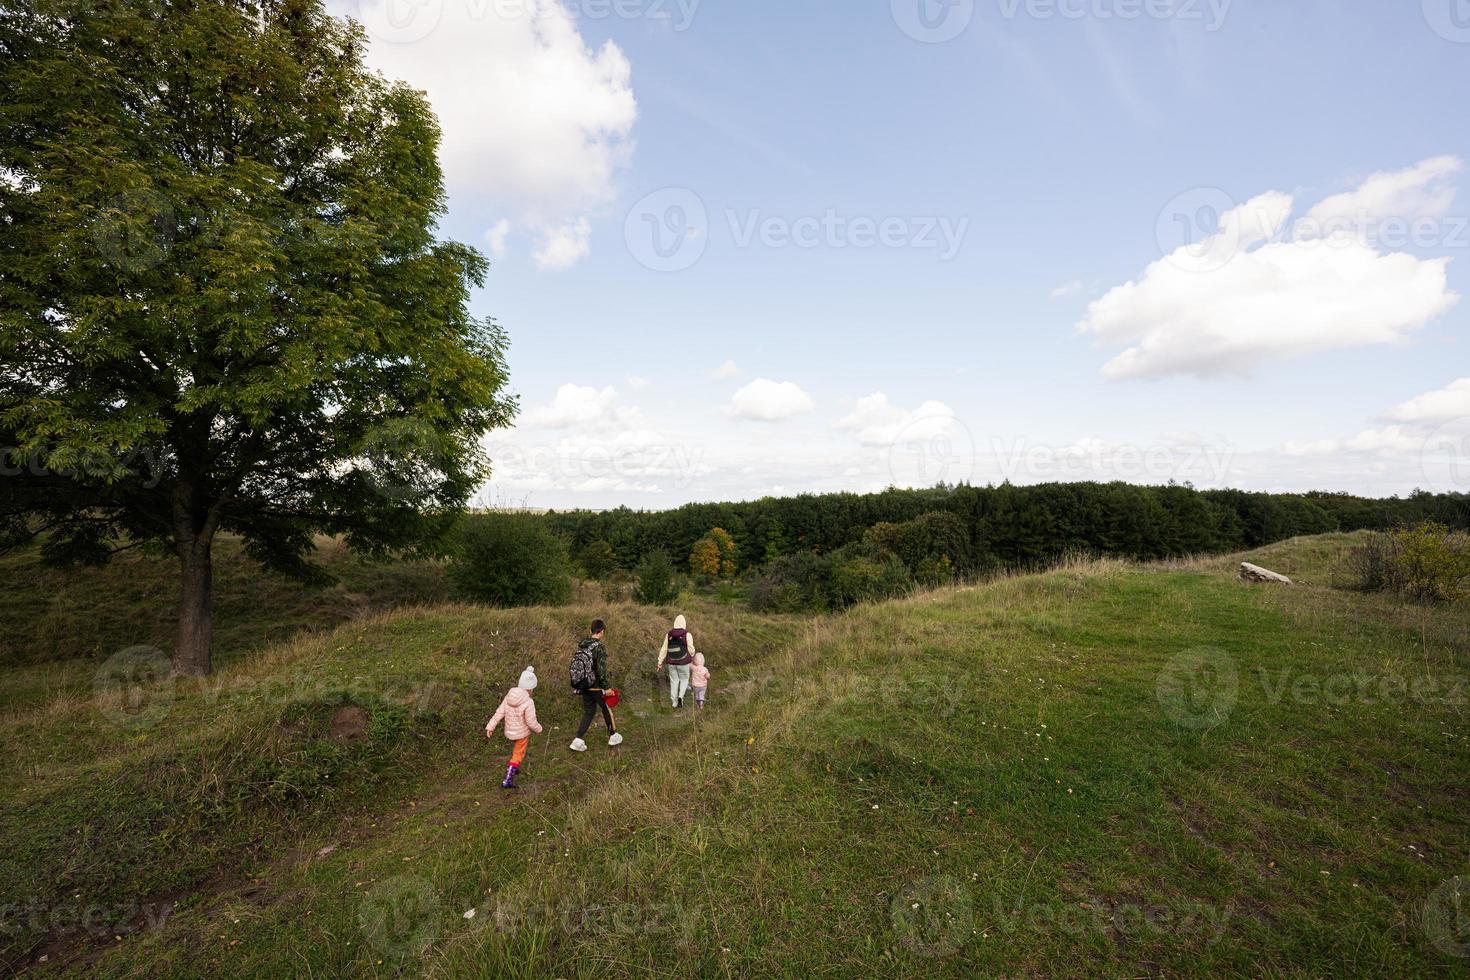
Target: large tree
{"type": "Point", "coordinates": [223, 307]}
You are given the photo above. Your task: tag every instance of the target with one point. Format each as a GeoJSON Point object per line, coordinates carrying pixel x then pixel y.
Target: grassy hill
{"type": "Point", "coordinates": [1103, 769]}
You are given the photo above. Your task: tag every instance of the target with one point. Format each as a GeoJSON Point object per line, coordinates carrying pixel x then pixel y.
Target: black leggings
{"type": "Point", "coordinates": [591, 701]}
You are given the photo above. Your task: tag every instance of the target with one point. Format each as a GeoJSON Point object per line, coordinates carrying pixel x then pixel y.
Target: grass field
{"type": "Point", "coordinates": [1104, 769]}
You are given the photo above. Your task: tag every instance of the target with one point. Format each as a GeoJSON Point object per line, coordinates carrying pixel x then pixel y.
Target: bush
{"type": "Point", "coordinates": [617, 587]}
{"type": "Point", "coordinates": [1434, 562]}
{"type": "Point", "coordinates": [656, 585]}
{"type": "Point", "coordinates": [934, 572]}
{"type": "Point", "coordinates": [805, 582]}
{"type": "Point", "coordinates": [511, 560]}
{"type": "Point", "coordinates": [795, 583]}
{"type": "Point", "coordinates": [865, 579]}
{"type": "Point", "coordinates": [1373, 566]}
{"type": "Point", "coordinates": [1428, 562]}
{"type": "Point", "coordinates": [924, 540]}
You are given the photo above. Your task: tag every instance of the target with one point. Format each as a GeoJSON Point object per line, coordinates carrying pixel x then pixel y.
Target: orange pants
{"type": "Point", "coordinates": [518, 751]}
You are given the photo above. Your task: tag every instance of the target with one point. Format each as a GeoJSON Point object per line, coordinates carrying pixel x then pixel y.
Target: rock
{"type": "Point", "coordinates": [1255, 573]}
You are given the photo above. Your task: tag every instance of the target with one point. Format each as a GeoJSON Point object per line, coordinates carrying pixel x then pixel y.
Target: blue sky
{"type": "Point", "coordinates": [976, 194]}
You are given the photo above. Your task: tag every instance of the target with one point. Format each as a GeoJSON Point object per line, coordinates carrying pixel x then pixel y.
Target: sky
{"type": "Point", "coordinates": [746, 248]}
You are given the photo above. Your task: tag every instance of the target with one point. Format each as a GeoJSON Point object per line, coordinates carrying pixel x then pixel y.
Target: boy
{"type": "Point", "coordinates": [592, 697]}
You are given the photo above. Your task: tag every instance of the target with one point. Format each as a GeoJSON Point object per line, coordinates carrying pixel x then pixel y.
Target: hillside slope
{"type": "Point", "coordinates": [1103, 769]}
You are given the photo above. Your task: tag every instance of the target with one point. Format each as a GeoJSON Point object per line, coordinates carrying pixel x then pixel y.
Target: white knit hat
{"type": "Point", "coordinates": [528, 679]}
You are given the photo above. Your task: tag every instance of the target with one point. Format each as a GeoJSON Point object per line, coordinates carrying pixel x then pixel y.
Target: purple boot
{"type": "Point", "coordinates": [510, 776]}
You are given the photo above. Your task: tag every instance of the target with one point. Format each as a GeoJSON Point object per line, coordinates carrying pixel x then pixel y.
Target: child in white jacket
{"type": "Point", "coordinates": [518, 712]}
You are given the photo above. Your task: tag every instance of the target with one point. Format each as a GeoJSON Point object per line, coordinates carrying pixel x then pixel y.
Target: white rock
{"type": "Point", "coordinates": [1255, 573]}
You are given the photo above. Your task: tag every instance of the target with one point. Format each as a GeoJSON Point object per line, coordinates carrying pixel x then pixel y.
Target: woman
{"type": "Point", "coordinates": [678, 653]}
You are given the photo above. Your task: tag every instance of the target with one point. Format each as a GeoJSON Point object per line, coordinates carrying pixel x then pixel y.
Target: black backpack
{"type": "Point", "coordinates": [584, 670]}
{"type": "Point", "coordinates": [678, 648]}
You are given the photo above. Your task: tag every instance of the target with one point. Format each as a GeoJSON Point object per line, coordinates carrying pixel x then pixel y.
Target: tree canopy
{"type": "Point", "coordinates": [223, 307]}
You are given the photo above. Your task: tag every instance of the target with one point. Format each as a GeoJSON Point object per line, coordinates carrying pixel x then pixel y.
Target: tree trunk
{"type": "Point", "coordinates": [196, 612]}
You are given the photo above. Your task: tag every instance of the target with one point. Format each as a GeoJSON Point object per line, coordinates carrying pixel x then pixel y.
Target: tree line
{"type": "Point", "coordinates": [1004, 526]}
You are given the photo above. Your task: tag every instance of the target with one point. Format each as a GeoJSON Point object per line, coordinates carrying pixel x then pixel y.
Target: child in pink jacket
{"type": "Point", "coordinates": [699, 679]}
{"type": "Point", "coordinates": [518, 712]}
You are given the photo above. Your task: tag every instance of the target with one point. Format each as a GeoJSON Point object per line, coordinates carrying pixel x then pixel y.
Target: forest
{"type": "Point", "coordinates": [976, 530]}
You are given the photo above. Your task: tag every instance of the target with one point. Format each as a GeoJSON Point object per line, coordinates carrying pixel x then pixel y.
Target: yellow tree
{"type": "Point", "coordinates": [725, 544]}
{"type": "Point", "coordinates": [705, 558]}
{"type": "Point", "coordinates": [714, 554]}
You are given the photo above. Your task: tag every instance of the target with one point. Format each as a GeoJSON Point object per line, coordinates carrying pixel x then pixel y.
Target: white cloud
{"type": "Point", "coordinates": [1393, 440]}
{"type": "Point", "coordinates": [1451, 402]}
{"type": "Point", "coordinates": [769, 401]}
{"type": "Point", "coordinates": [535, 122]}
{"type": "Point", "coordinates": [1421, 191]}
{"type": "Point", "coordinates": [878, 422]}
{"type": "Point", "coordinates": [637, 381]}
{"type": "Point", "coordinates": [1247, 294]}
{"type": "Point", "coordinates": [577, 405]}
{"type": "Point", "coordinates": [1316, 447]}
{"type": "Point", "coordinates": [726, 371]}
{"type": "Point", "coordinates": [496, 237]}
{"type": "Point", "coordinates": [1415, 418]}
{"type": "Point", "coordinates": [564, 246]}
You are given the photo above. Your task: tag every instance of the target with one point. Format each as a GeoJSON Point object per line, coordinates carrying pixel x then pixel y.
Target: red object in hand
{"type": "Point", "coordinates": [610, 697]}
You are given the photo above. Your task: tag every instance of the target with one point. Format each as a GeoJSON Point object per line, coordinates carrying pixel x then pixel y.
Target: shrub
{"type": "Point", "coordinates": [868, 579]}
{"type": "Point", "coordinates": [656, 585]}
{"type": "Point", "coordinates": [768, 595]}
{"type": "Point", "coordinates": [935, 571]}
{"type": "Point", "coordinates": [1373, 566]}
{"type": "Point", "coordinates": [924, 540]}
{"type": "Point", "coordinates": [511, 560]}
{"type": "Point", "coordinates": [805, 582]}
{"type": "Point", "coordinates": [1428, 561]}
{"type": "Point", "coordinates": [795, 583]}
{"type": "Point", "coordinates": [617, 587]}
{"type": "Point", "coordinates": [1434, 561]}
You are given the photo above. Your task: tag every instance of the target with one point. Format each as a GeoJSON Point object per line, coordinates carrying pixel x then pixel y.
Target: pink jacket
{"type": "Point", "coordinates": [518, 712]}
{"type": "Point", "coordinates": [699, 673]}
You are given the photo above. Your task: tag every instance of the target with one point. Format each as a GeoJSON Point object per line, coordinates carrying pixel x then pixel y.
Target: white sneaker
{"type": "Point", "coordinates": [617, 739]}
{"type": "Point", "coordinates": [578, 745]}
